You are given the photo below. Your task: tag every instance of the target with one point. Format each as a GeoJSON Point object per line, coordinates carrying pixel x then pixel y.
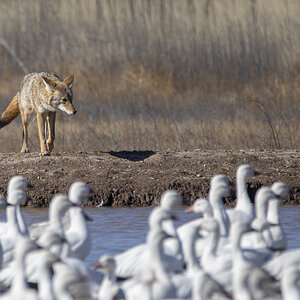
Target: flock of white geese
{"type": "Point", "coordinates": [234, 253]}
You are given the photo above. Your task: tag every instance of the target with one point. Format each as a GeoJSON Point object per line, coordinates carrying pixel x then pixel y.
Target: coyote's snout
{"type": "Point", "coordinates": [41, 94]}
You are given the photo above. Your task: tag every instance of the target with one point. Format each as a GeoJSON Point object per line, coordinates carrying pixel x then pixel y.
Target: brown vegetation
{"type": "Point", "coordinates": [160, 74]}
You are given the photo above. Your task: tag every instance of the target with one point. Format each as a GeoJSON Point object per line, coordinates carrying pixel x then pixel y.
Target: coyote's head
{"type": "Point", "coordinates": [60, 94]}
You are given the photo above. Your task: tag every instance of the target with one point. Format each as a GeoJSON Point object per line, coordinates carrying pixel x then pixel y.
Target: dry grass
{"type": "Point", "coordinates": [161, 74]}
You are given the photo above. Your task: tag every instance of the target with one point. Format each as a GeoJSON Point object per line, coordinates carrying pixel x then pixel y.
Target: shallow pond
{"type": "Point", "coordinates": [116, 229]}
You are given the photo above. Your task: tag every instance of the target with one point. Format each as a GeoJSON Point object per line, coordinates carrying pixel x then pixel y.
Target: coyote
{"type": "Point", "coordinates": [41, 94]}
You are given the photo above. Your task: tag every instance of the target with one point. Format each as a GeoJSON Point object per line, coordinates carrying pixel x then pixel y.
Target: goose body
{"type": "Point", "coordinates": [78, 234]}
{"type": "Point", "coordinates": [129, 262]}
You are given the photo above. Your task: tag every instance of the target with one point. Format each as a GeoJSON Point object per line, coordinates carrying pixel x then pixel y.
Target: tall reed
{"type": "Point", "coordinates": [162, 74]}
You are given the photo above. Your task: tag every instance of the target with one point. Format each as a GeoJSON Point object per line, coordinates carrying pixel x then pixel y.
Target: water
{"type": "Point", "coordinates": [117, 229]}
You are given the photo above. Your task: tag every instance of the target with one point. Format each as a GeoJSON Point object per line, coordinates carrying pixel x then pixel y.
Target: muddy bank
{"type": "Point", "coordinates": [139, 178]}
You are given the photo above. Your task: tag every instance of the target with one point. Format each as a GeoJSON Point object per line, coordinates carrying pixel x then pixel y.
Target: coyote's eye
{"type": "Point", "coordinates": [63, 100]}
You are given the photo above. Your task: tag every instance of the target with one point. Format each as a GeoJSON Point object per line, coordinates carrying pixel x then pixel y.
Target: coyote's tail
{"type": "Point", "coordinates": [11, 112]}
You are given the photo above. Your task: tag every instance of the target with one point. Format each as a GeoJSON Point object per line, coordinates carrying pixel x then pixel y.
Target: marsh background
{"type": "Point", "coordinates": [173, 74]}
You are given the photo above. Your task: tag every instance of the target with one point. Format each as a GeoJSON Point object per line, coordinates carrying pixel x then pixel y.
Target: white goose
{"type": "Point", "coordinates": [109, 288]}
{"type": "Point", "coordinates": [58, 207]}
{"type": "Point", "coordinates": [275, 236]}
{"type": "Point", "coordinates": [219, 188]}
{"type": "Point", "coordinates": [184, 282]}
{"type": "Point", "coordinates": [200, 206]}
{"type": "Point", "coordinates": [19, 289]}
{"type": "Point", "coordinates": [169, 201]}
{"type": "Point", "coordinates": [19, 183]}
{"type": "Point", "coordinates": [256, 240]}
{"type": "Point", "coordinates": [163, 287]}
{"type": "Point", "coordinates": [78, 234]}
{"type": "Point", "coordinates": [10, 231]}
{"type": "Point", "coordinates": [217, 266]}
{"type": "Point", "coordinates": [205, 288]}
{"type": "Point", "coordinates": [50, 241]}
{"type": "Point", "coordinates": [242, 282]}
{"type": "Point", "coordinates": [129, 261]}
{"type": "Point", "coordinates": [280, 263]}
{"type": "Point", "coordinates": [45, 287]}
{"type": "Point", "coordinates": [290, 287]}
{"type": "Point", "coordinates": [244, 208]}
{"type": "Point", "coordinates": [68, 284]}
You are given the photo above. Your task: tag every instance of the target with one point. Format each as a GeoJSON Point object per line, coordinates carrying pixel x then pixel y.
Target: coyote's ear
{"type": "Point", "coordinates": [69, 80]}
{"type": "Point", "coordinates": [49, 84]}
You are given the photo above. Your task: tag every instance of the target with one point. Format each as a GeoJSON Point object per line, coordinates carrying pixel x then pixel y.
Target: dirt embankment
{"type": "Point", "coordinates": [138, 178]}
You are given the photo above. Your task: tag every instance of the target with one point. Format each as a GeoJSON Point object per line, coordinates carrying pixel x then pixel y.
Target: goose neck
{"type": "Point", "coordinates": [157, 257]}
{"type": "Point", "coordinates": [78, 221]}
{"type": "Point", "coordinates": [273, 215]}
{"type": "Point", "coordinates": [21, 223]}
{"type": "Point", "coordinates": [219, 213]}
{"type": "Point", "coordinates": [243, 200]}
{"type": "Point", "coordinates": [11, 217]}
{"type": "Point", "coordinates": [261, 209]}
{"type": "Point", "coordinates": [45, 290]}
{"type": "Point", "coordinates": [211, 244]}
{"type": "Point", "coordinates": [19, 281]}
{"type": "Point", "coordinates": [190, 253]}
{"type": "Point", "coordinates": [55, 221]}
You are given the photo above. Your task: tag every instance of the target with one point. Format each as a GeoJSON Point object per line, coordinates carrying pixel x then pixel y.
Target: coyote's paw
{"type": "Point", "coordinates": [24, 150]}
{"type": "Point", "coordinates": [46, 153]}
{"type": "Point", "coordinates": [49, 146]}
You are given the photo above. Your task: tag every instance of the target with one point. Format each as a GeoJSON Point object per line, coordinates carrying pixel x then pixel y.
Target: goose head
{"type": "Point", "coordinates": [157, 235]}
{"type": "Point", "coordinates": [262, 197]}
{"type": "Point", "coordinates": [280, 189]}
{"type": "Point", "coordinates": [200, 206]}
{"type": "Point", "coordinates": [246, 171]}
{"type": "Point", "coordinates": [170, 200]}
{"type": "Point", "coordinates": [79, 192]}
{"type": "Point", "coordinates": [219, 180]}
{"type": "Point", "coordinates": [158, 215]}
{"type": "Point", "coordinates": [17, 183]}
{"type": "Point", "coordinates": [216, 193]}
{"type": "Point", "coordinates": [16, 197]}
{"type": "Point", "coordinates": [60, 204]}
{"type": "Point", "coordinates": [106, 264]}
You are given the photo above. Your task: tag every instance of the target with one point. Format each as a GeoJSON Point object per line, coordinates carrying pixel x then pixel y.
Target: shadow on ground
{"type": "Point", "coordinates": [132, 155]}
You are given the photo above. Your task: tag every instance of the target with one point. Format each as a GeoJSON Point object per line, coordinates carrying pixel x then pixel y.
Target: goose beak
{"type": "Point", "coordinates": [97, 265]}
{"type": "Point", "coordinates": [87, 217]}
{"type": "Point", "coordinates": [189, 209]}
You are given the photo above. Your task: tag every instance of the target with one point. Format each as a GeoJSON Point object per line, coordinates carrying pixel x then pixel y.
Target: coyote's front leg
{"type": "Point", "coordinates": [24, 118]}
{"type": "Point", "coordinates": [51, 131]}
{"type": "Point", "coordinates": [41, 121]}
